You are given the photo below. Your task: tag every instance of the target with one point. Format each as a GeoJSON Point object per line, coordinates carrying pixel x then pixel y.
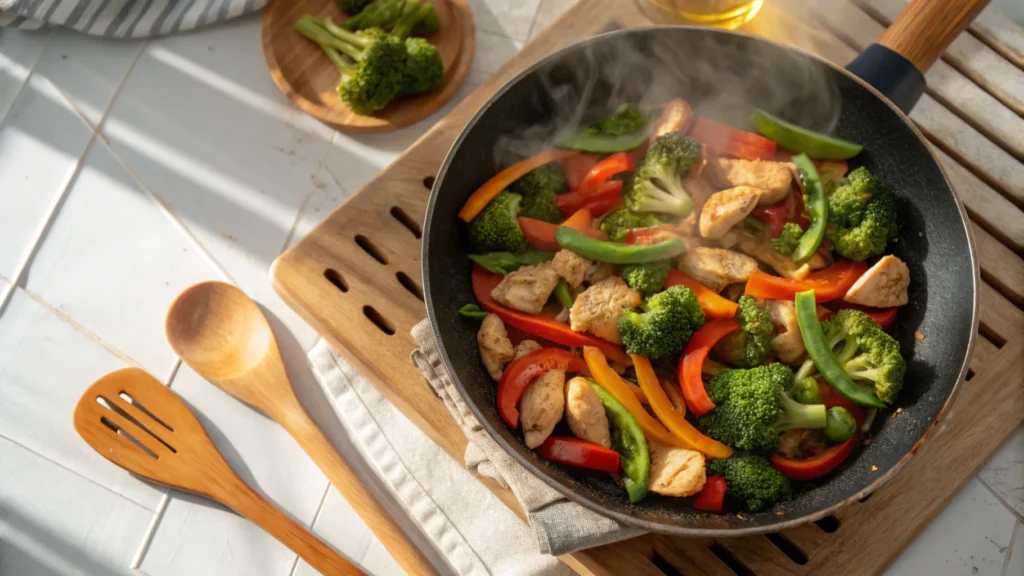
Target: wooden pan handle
{"type": "Point", "coordinates": [926, 27]}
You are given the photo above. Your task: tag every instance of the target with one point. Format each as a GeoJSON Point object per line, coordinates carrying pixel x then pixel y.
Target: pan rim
{"type": "Point", "coordinates": [634, 521]}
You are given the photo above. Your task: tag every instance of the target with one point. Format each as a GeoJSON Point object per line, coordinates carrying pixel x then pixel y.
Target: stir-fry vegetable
{"type": "Point", "coordinates": [725, 140]}
{"type": "Point", "coordinates": [829, 284]}
{"type": "Point", "coordinates": [664, 326]}
{"type": "Point", "coordinates": [579, 453]}
{"type": "Point", "coordinates": [507, 262]}
{"type": "Point", "coordinates": [521, 373]}
{"type": "Point", "coordinates": [712, 495]}
{"type": "Point", "coordinates": [798, 139]}
{"type": "Point", "coordinates": [562, 293]}
{"type": "Point", "coordinates": [500, 181]}
{"type": "Point", "coordinates": [816, 466]}
{"type": "Point", "coordinates": [473, 311]}
{"type": "Point", "coordinates": [714, 306]}
{"type": "Point", "coordinates": [613, 253]}
{"type": "Point", "coordinates": [605, 195]}
{"type": "Point", "coordinates": [817, 206]}
{"type": "Point", "coordinates": [690, 366]}
{"type": "Point", "coordinates": [840, 425]}
{"type": "Point", "coordinates": [541, 235]}
{"type": "Point", "coordinates": [627, 128]}
{"type": "Point", "coordinates": [806, 391]}
{"type": "Point", "coordinates": [628, 440]}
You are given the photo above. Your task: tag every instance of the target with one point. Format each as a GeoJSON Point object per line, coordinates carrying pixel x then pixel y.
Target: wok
{"type": "Point", "coordinates": [872, 96]}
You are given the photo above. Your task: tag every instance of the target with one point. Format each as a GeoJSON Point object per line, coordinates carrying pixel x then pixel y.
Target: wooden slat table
{"type": "Point", "coordinates": [364, 260]}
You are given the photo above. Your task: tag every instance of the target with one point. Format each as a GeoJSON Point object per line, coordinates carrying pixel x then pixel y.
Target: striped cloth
{"type": "Point", "coordinates": [122, 18]}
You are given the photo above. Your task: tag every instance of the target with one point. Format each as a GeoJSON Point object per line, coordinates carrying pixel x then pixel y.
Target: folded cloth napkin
{"type": "Point", "coordinates": [122, 18]}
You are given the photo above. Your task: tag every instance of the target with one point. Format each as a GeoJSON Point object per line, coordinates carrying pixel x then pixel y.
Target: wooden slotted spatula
{"type": "Point", "coordinates": [136, 422]}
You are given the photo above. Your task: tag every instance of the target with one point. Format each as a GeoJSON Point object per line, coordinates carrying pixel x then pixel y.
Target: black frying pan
{"type": "Point", "coordinates": [724, 75]}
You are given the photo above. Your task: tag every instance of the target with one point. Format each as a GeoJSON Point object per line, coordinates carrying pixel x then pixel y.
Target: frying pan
{"type": "Point", "coordinates": [871, 96]}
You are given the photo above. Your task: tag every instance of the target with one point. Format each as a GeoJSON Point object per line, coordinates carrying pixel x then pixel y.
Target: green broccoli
{"type": "Point", "coordinates": [861, 216]}
{"type": "Point", "coordinates": [423, 70]}
{"type": "Point", "coordinates": [617, 223]}
{"type": "Point", "coordinates": [625, 129]}
{"type": "Point", "coordinates": [625, 120]}
{"type": "Point", "coordinates": [868, 355]}
{"type": "Point", "coordinates": [659, 177]}
{"type": "Point", "coordinates": [790, 237]}
{"type": "Point", "coordinates": [412, 13]}
{"type": "Point", "coordinates": [429, 24]}
{"type": "Point", "coordinates": [751, 345]}
{"type": "Point", "coordinates": [371, 63]}
{"type": "Point", "coordinates": [752, 408]}
{"type": "Point", "coordinates": [496, 229]}
{"type": "Point", "coordinates": [646, 278]}
{"type": "Point", "coordinates": [353, 7]}
{"type": "Point", "coordinates": [751, 480]}
{"type": "Point", "coordinates": [538, 189]}
{"type": "Point", "coordinates": [378, 14]}
{"type": "Point", "coordinates": [664, 327]}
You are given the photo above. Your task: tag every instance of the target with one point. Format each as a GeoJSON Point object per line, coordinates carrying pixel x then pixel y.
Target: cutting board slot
{"type": "Point", "coordinates": [409, 284]}
{"type": "Point", "coordinates": [335, 277]}
{"type": "Point", "coordinates": [382, 323]}
{"type": "Point", "coordinates": [788, 548]}
{"type": "Point", "coordinates": [828, 524]}
{"type": "Point", "coordinates": [665, 567]}
{"type": "Point", "coordinates": [370, 248]}
{"type": "Point", "coordinates": [738, 568]}
{"type": "Point", "coordinates": [405, 220]}
{"type": "Point", "coordinates": [428, 182]}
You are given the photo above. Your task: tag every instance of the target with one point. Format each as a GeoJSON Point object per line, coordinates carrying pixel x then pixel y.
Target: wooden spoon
{"type": "Point", "coordinates": [136, 422]}
{"type": "Point", "coordinates": [224, 336]}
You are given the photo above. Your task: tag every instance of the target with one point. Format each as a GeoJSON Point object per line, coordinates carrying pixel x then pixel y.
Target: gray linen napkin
{"type": "Point", "coordinates": [122, 18]}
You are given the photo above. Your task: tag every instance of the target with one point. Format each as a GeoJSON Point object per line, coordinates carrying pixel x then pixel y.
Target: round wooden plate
{"type": "Point", "coordinates": [302, 71]}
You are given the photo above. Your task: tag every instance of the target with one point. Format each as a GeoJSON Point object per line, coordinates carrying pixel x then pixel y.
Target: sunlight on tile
{"type": "Point", "coordinates": [19, 52]}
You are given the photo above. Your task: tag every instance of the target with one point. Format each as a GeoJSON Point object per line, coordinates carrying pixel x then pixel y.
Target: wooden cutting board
{"type": "Point", "coordinates": [356, 279]}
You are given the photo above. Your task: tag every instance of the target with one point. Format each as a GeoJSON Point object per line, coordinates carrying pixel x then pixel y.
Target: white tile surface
{"type": "Point", "coordinates": [971, 536]}
{"type": "Point", "coordinates": [340, 526]}
{"type": "Point", "coordinates": [19, 52]}
{"type": "Point", "coordinates": [501, 17]}
{"type": "Point", "coordinates": [116, 271]}
{"type": "Point", "coordinates": [547, 11]}
{"type": "Point", "coordinates": [1015, 558]}
{"type": "Point", "coordinates": [45, 365]}
{"type": "Point", "coordinates": [53, 521]}
{"type": "Point", "coordinates": [1004, 473]}
{"type": "Point", "coordinates": [492, 51]}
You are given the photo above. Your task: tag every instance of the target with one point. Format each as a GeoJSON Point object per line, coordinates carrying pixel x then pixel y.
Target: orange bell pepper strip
{"type": "Point", "coordinates": [613, 383]}
{"type": "Point", "coordinates": [697, 399]}
{"type": "Point", "coordinates": [829, 284]}
{"type": "Point", "coordinates": [489, 191]}
{"type": "Point", "coordinates": [714, 306]}
{"type": "Point", "coordinates": [663, 409]}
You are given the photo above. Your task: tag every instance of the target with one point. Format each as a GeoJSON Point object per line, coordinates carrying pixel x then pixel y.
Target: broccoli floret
{"type": "Point", "coordinates": [496, 229]}
{"type": "Point", "coordinates": [752, 408]}
{"type": "Point", "coordinates": [751, 345]}
{"type": "Point", "coordinates": [659, 177]}
{"type": "Point", "coordinates": [787, 241]}
{"type": "Point", "coordinates": [412, 13]}
{"type": "Point", "coordinates": [617, 223]}
{"type": "Point", "coordinates": [646, 278]}
{"type": "Point", "coordinates": [353, 7]}
{"type": "Point", "coordinates": [429, 24]}
{"type": "Point", "coordinates": [751, 480]}
{"type": "Point", "coordinates": [538, 189]}
{"type": "Point", "coordinates": [868, 355]}
{"type": "Point", "coordinates": [625, 120]}
{"type": "Point", "coordinates": [423, 69]}
{"type": "Point", "coordinates": [666, 324]}
{"type": "Point", "coordinates": [861, 216]}
{"type": "Point", "coordinates": [378, 14]}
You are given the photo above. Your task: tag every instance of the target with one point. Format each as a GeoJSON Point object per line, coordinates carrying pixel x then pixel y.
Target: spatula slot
{"type": "Point", "coordinates": [409, 284]}
{"type": "Point", "coordinates": [380, 321]}
{"type": "Point", "coordinates": [127, 398]}
{"type": "Point", "coordinates": [370, 248]}
{"type": "Point", "coordinates": [117, 430]}
{"type": "Point", "coordinates": [115, 407]}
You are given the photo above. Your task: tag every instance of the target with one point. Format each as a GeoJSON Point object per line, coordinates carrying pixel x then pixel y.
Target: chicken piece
{"type": "Point", "coordinates": [716, 268]}
{"type": "Point", "coordinates": [599, 271]}
{"type": "Point", "coordinates": [787, 344]}
{"type": "Point", "coordinates": [598, 309]}
{"type": "Point", "coordinates": [495, 347]}
{"type": "Point", "coordinates": [699, 191]}
{"type": "Point", "coordinates": [762, 249]}
{"type": "Point", "coordinates": [528, 288]}
{"type": "Point", "coordinates": [727, 208]}
{"type": "Point", "coordinates": [525, 347]}
{"type": "Point", "coordinates": [571, 266]}
{"type": "Point", "coordinates": [774, 178]}
{"type": "Point", "coordinates": [884, 285]}
{"type": "Point", "coordinates": [541, 407]}
{"type": "Point", "coordinates": [585, 413]}
{"type": "Point", "coordinates": [675, 471]}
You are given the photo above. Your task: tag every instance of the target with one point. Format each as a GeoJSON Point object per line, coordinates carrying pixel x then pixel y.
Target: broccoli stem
{"type": "Point", "coordinates": [314, 30]}
{"type": "Point", "coordinates": [806, 370]}
{"type": "Point", "coordinates": [797, 415]}
{"type": "Point", "coordinates": [351, 38]}
{"type": "Point", "coordinates": [339, 61]}
{"type": "Point", "coordinates": [411, 16]}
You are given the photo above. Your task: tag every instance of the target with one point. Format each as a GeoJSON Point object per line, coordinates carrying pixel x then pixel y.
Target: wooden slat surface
{"type": "Point", "coordinates": [1002, 35]}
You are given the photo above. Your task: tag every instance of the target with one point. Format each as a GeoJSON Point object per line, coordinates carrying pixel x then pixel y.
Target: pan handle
{"type": "Point", "coordinates": [896, 62]}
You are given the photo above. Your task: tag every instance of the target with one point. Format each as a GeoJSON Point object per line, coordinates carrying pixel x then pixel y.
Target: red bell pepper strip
{"type": "Point", "coordinates": [540, 326]}
{"type": "Point", "coordinates": [500, 181]}
{"type": "Point", "coordinates": [728, 141]}
{"type": "Point", "coordinates": [604, 170]}
{"type": "Point", "coordinates": [651, 234]}
{"type": "Point", "coordinates": [579, 453]}
{"type": "Point", "coordinates": [816, 466]}
{"type": "Point", "coordinates": [576, 167]}
{"type": "Point", "coordinates": [603, 206]}
{"type": "Point", "coordinates": [541, 235]}
{"type": "Point", "coordinates": [697, 399]}
{"type": "Point", "coordinates": [714, 306]}
{"type": "Point", "coordinates": [830, 397]}
{"type": "Point", "coordinates": [712, 495]}
{"type": "Point", "coordinates": [570, 202]}
{"type": "Point", "coordinates": [518, 376]}
{"type": "Point", "coordinates": [829, 284]}
{"type": "Point", "coordinates": [885, 317]}
{"type": "Point", "coordinates": [774, 218]}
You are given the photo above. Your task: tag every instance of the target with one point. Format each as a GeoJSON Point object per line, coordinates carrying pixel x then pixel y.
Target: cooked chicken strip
{"type": "Point", "coordinates": [599, 271]}
{"type": "Point", "coordinates": [571, 266]}
{"type": "Point", "coordinates": [598, 309]}
{"type": "Point", "coordinates": [787, 344]}
{"type": "Point", "coordinates": [528, 288]}
{"type": "Point", "coordinates": [727, 208]}
{"type": "Point", "coordinates": [495, 347]}
{"type": "Point", "coordinates": [884, 285]}
{"type": "Point", "coordinates": [699, 191]}
{"type": "Point", "coordinates": [525, 347]}
{"type": "Point", "coordinates": [541, 407]}
{"type": "Point", "coordinates": [585, 413]}
{"type": "Point", "coordinates": [762, 249]}
{"type": "Point", "coordinates": [716, 268]}
{"type": "Point", "coordinates": [675, 471]}
{"type": "Point", "coordinates": [772, 177]}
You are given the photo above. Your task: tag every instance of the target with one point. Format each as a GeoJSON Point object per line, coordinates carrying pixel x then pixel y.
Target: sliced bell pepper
{"type": "Point", "coordinates": [616, 386]}
{"type": "Point", "coordinates": [728, 141]}
{"type": "Point", "coordinates": [601, 207]}
{"type": "Point", "coordinates": [773, 217]}
{"type": "Point", "coordinates": [651, 235]}
{"type": "Point", "coordinates": [676, 116]}
{"type": "Point", "coordinates": [579, 453]}
{"type": "Point", "coordinates": [816, 466]}
{"type": "Point", "coordinates": [663, 409]}
{"type": "Point", "coordinates": [885, 317]}
{"type": "Point", "coordinates": [539, 326]}
{"type": "Point", "coordinates": [712, 495]}
{"type": "Point", "coordinates": [614, 253]}
{"type": "Point", "coordinates": [541, 235]}
{"type": "Point", "coordinates": [829, 284]}
{"type": "Point", "coordinates": [518, 376]}
{"type": "Point", "coordinates": [570, 202]}
{"type": "Point", "coordinates": [577, 166]}
{"type": "Point", "coordinates": [714, 306]}
{"type": "Point", "coordinates": [604, 170]}
{"type": "Point", "coordinates": [500, 181]}
{"type": "Point", "coordinates": [690, 365]}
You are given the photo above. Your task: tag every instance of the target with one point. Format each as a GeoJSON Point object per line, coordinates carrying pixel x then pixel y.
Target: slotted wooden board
{"type": "Point", "coordinates": [355, 278]}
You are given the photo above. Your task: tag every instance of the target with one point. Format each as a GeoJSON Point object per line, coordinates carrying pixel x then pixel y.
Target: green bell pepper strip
{"type": "Point", "coordinates": [816, 205]}
{"type": "Point", "coordinates": [563, 294]}
{"type": "Point", "coordinates": [822, 356]}
{"type": "Point", "coordinates": [628, 440]}
{"type": "Point", "coordinates": [473, 311]}
{"type": "Point", "coordinates": [797, 139]}
{"type": "Point", "coordinates": [505, 263]}
{"type": "Point", "coordinates": [613, 253]}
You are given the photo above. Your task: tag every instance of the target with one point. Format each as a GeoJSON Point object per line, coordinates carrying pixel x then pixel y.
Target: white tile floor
{"type": "Point", "coordinates": [201, 170]}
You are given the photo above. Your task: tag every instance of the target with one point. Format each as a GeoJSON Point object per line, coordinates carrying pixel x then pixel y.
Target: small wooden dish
{"type": "Point", "coordinates": [302, 71]}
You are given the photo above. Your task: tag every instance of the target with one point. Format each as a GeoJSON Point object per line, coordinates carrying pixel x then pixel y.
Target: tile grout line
{"type": "Point", "coordinates": [147, 538]}
{"type": "Point", "coordinates": [1009, 548]}
{"type": "Point", "coordinates": [533, 23]}
{"type": "Point", "coordinates": [1002, 501]}
{"type": "Point", "coordinates": [316, 516]}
